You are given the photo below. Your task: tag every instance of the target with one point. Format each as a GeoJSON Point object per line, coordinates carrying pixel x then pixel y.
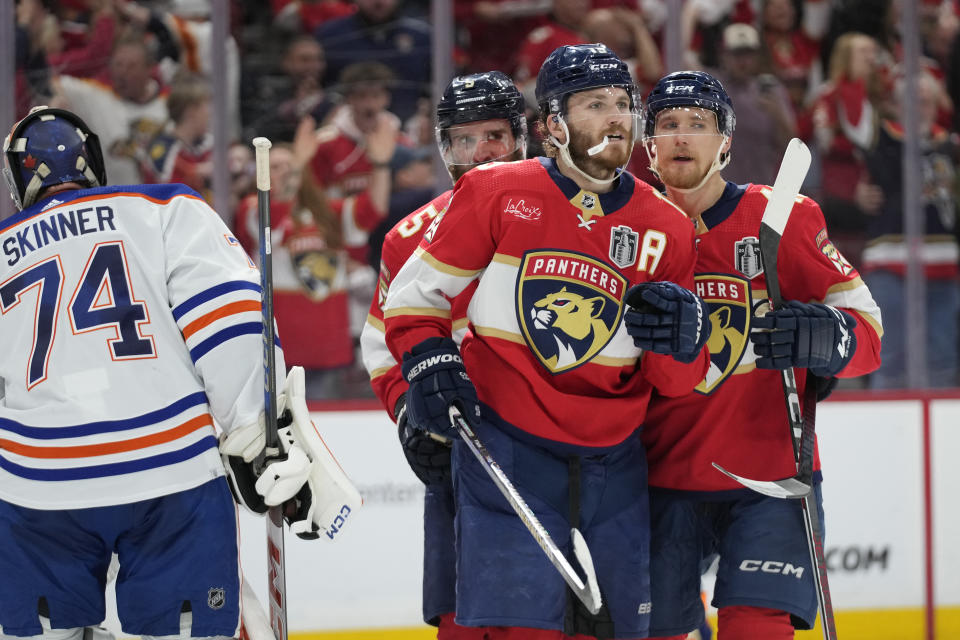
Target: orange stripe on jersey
{"type": "Point", "coordinates": [233, 308]}
{"type": "Point", "coordinates": [91, 450]}
{"type": "Point", "coordinates": [105, 196]}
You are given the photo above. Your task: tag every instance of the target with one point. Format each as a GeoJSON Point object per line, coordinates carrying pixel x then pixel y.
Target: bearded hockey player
{"type": "Point", "coordinates": [830, 326]}
{"type": "Point", "coordinates": [480, 119]}
{"type": "Point", "coordinates": [558, 246]}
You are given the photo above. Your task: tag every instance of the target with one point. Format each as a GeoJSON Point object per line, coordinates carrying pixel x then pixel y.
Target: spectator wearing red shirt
{"type": "Point", "coordinates": [483, 26]}
{"type": "Point", "coordinates": [845, 121]}
{"type": "Point", "coordinates": [183, 152]}
{"type": "Point", "coordinates": [563, 27]}
{"type": "Point", "coordinates": [340, 164]}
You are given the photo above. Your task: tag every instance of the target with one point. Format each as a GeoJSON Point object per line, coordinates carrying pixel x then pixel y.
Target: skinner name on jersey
{"type": "Point", "coordinates": [53, 227]}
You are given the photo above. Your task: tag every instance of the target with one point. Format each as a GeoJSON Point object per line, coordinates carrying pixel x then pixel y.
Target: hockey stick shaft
{"type": "Point", "coordinates": [586, 590]}
{"type": "Point", "coordinates": [793, 169]}
{"type": "Point", "coordinates": [276, 562]}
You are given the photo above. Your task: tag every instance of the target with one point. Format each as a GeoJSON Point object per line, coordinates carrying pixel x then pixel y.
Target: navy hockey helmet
{"type": "Point", "coordinates": [50, 147]}
{"type": "Point", "coordinates": [478, 97]}
{"type": "Point", "coordinates": [489, 95]}
{"type": "Point", "coordinates": [578, 67]}
{"type": "Point", "coordinates": [690, 89]}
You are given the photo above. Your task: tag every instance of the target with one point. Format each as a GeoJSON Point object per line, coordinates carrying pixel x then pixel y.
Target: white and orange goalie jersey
{"type": "Point", "coordinates": [130, 321]}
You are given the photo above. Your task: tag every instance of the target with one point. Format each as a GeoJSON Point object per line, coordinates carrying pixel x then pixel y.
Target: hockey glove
{"type": "Point", "coordinates": [812, 336]}
{"type": "Point", "coordinates": [663, 317]}
{"type": "Point", "coordinates": [428, 455]}
{"type": "Point", "coordinates": [438, 379]}
{"type": "Point", "coordinates": [316, 494]}
{"type": "Point", "coordinates": [239, 450]}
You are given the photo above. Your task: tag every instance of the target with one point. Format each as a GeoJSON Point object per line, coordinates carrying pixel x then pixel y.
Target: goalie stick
{"type": "Point", "coordinates": [276, 582]}
{"type": "Point", "coordinates": [786, 188]}
{"type": "Point", "coordinates": [588, 591]}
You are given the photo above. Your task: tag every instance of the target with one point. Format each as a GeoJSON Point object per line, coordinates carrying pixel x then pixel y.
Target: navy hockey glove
{"type": "Point", "coordinates": [428, 455]}
{"type": "Point", "coordinates": [666, 318]}
{"type": "Point", "coordinates": [438, 379]}
{"type": "Point", "coordinates": [811, 336]}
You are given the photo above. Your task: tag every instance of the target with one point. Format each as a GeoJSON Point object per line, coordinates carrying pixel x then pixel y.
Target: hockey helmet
{"type": "Point", "coordinates": [690, 89]}
{"type": "Point", "coordinates": [469, 99]}
{"type": "Point", "coordinates": [50, 147]}
{"type": "Point", "coordinates": [573, 68]}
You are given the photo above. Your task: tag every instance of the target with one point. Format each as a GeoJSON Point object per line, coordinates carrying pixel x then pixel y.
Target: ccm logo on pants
{"type": "Point", "coordinates": [772, 566]}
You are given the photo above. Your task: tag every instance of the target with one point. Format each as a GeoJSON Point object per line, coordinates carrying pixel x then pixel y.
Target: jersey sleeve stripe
{"type": "Point", "coordinates": [211, 293]}
{"type": "Point", "coordinates": [376, 323]}
{"type": "Point", "coordinates": [232, 308]}
{"type": "Point", "coordinates": [112, 469]}
{"type": "Point", "coordinates": [417, 311]}
{"type": "Point", "coordinates": [106, 426]}
{"type": "Point", "coordinates": [376, 373]}
{"type": "Point", "coordinates": [444, 267]}
{"type": "Point", "coordinates": [499, 333]}
{"type": "Point", "coordinates": [869, 319]}
{"type": "Point", "coordinates": [503, 258]}
{"type": "Point", "coordinates": [91, 450]}
{"type": "Point", "coordinates": [247, 328]}
{"type": "Point", "coordinates": [846, 285]}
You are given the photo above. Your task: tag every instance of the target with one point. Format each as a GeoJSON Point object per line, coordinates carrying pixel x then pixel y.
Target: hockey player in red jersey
{"type": "Point", "coordinates": [480, 119]}
{"type": "Point", "coordinates": [557, 246]}
{"type": "Point", "coordinates": [830, 326]}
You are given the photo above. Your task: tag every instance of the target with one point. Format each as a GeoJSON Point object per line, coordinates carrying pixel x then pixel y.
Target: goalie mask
{"type": "Point", "coordinates": [689, 90]}
{"type": "Point", "coordinates": [574, 69]}
{"type": "Point", "coordinates": [480, 119]}
{"type": "Point", "coordinates": [50, 147]}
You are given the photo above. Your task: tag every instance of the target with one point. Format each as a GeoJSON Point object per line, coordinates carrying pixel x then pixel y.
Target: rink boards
{"type": "Point", "coordinates": [889, 465]}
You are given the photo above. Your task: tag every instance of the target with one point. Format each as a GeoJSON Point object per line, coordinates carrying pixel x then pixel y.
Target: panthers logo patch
{"type": "Point", "coordinates": [568, 306]}
{"type": "Point", "coordinates": [833, 254]}
{"type": "Point", "coordinates": [729, 300]}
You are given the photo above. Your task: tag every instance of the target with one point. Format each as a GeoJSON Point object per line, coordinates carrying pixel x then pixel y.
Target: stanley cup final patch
{"type": "Point", "coordinates": [729, 300]}
{"type": "Point", "coordinates": [623, 246]}
{"type": "Point", "coordinates": [568, 306]}
{"type": "Point", "coordinates": [747, 258]}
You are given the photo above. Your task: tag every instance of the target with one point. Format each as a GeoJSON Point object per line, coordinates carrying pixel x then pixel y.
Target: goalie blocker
{"type": "Point", "coordinates": [316, 495]}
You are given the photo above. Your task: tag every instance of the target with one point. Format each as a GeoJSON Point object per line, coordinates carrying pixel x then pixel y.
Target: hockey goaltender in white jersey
{"type": "Point", "coordinates": [111, 277]}
{"type": "Point", "coordinates": [130, 322]}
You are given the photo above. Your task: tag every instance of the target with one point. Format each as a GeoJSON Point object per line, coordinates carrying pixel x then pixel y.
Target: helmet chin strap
{"type": "Point", "coordinates": [715, 166]}
{"type": "Point", "coordinates": [564, 149]}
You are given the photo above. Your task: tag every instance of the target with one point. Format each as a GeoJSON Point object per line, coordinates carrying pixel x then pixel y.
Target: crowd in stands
{"type": "Point", "coordinates": [342, 88]}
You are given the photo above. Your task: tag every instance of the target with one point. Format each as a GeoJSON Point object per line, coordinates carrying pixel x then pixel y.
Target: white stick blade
{"type": "Point", "coordinates": [786, 188]}
{"type": "Point", "coordinates": [788, 488]}
{"type": "Point", "coordinates": [592, 599]}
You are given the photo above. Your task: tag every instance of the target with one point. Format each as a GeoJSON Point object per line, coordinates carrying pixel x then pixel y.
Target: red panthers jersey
{"type": "Point", "coordinates": [736, 416]}
{"type": "Point", "coordinates": [398, 245]}
{"type": "Point", "coordinates": [547, 348]}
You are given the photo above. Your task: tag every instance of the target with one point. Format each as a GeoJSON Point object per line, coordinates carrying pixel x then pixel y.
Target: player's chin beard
{"type": "Point", "coordinates": [601, 165]}
{"type": "Point", "coordinates": [682, 179]}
